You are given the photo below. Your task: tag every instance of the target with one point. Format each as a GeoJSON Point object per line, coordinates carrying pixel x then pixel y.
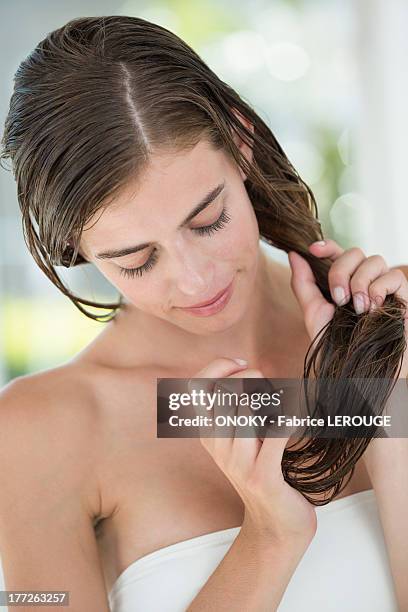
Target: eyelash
{"type": "Point", "coordinates": [208, 230]}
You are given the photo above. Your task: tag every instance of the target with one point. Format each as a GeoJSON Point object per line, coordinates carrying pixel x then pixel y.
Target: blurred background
{"type": "Point", "coordinates": [329, 77]}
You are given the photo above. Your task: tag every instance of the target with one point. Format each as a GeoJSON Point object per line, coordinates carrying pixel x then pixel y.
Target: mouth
{"type": "Point", "coordinates": [215, 304]}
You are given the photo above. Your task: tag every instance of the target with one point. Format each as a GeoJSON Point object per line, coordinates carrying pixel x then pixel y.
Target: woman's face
{"type": "Point", "coordinates": [164, 258]}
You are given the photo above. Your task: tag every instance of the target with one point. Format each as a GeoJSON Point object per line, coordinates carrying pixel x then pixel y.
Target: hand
{"type": "Point", "coordinates": [368, 280]}
{"type": "Point", "coordinates": [274, 511]}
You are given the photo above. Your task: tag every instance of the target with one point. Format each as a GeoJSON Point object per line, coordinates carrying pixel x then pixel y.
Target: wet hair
{"type": "Point", "coordinates": [91, 104]}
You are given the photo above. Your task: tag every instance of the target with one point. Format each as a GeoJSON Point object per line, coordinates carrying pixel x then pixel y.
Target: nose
{"type": "Point", "coordinates": [193, 271]}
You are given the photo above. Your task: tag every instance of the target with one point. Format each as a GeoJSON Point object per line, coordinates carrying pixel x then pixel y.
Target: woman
{"type": "Point", "coordinates": [123, 161]}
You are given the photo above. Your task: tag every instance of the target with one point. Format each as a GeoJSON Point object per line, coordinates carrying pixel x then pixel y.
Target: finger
{"type": "Point", "coordinates": [205, 381]}
{"type": "Point", "coordinates": [317, 311]}
{"type": "Point", "coordinates": [245, 444]}
{"type": "Point", "coordinates": [372, 268]}
{"type": "Point", "coordinates": [223, 366]}
{"type": "Point", "coordinates": [248, 373]}
{"type": "Point", "coordinates": [224, 406]}
{"type": "Point", "coordinates": [394, 281]}
{"type": "Point", "coordinates": [215, 436]}
{"type": "Point", "coordinates": [224, 435]}
{"type": "Point", "coordinates": [218, 368]}
{"type": "Point", "coordinates": [340, 273]}
{"type": "Point", "coordinates": [326, 248]}
{"type": "Point", "coordinates": [270, 453]}
{"type": "Point", "coordinates": [235, 383]}
{"type": "Point", "coordinates": [303, 281]}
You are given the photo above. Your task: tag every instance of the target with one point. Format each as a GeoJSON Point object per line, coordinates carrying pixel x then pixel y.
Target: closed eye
{"type": "Point", "coordinates": [213, 227]}
{"type": "Point", "coordinates": [205, 230]}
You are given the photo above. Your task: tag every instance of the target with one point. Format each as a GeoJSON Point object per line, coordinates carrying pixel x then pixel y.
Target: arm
{"type": "Point", "coordinates": [47, 540]}
{"type": "Point", "coordinates": [386, 460]}
{"type": "Point", "coordinates": [387, 465]}
{"type": "Point", "coordinates": [252, 576]}
{"type": "Point", "coordinates": [279, 523]}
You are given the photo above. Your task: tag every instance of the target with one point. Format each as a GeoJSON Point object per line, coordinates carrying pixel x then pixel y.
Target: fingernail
{"type": "Point", "coordinates": [359, 304]}
{"type": "Point", "coordinates": [376, 302]}
{"type": "Point", "coordinates": [320, 242]}
{"type": "Point", "coordinates": [241, 361]}
{"type": "Point", "coordinates": [339, 294]}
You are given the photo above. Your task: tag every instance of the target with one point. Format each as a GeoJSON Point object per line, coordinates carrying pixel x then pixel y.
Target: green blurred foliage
{"type": "Point", "coordinates": [40, 333]}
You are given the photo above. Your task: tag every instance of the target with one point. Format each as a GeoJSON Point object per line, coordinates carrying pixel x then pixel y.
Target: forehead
{"type": "Point", "coordinates": [169, 186]}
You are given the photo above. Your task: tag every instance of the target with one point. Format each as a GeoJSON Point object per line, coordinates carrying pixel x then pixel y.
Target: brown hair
{"type": "Point", "coordinates": [91, 103]}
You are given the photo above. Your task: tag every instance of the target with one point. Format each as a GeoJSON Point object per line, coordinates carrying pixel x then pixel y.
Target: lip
{"type": "Point", "coordinates": [219, 301]}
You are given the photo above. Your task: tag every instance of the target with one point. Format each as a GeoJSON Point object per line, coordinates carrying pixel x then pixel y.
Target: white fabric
{"type": "Point", "coordinates": [345, 567]}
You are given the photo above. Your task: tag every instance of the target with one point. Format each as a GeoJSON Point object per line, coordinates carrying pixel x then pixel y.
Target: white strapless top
{"type": "Point", "coordinates": [345, 567]}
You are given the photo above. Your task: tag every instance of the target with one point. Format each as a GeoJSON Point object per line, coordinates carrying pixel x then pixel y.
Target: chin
{"type": "Point", "coordinates": [207, 327]}
{"type": "Point", "coordinates": [230, 316]}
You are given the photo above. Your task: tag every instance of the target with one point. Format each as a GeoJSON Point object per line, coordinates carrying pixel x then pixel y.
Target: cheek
{"type": "Point", "coordinates": [144, 294]}
{"type": "Point", "coordinates": [240, 239]}
{"type": "Point", "coordinates": [139, 291]}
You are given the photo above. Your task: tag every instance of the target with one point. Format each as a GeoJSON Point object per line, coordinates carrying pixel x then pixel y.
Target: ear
{"type": "Point", "coordinates": [69, 247]}
{"type": "Point", "coordinates": [244, 148]}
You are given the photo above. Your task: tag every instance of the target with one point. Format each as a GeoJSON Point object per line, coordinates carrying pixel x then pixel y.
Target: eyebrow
{"type": "Point", "coordinates": [210, 197]}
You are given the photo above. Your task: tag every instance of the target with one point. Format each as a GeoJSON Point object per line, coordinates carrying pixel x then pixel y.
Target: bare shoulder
{"type": "Point", "coordinates": [84, 427]}
{"type": "Point", "coordinates": [50, 493]}
{"type": "Point", "coordinates": [46, 392]}
{"type": "Point", "coordinates": [50, 424]}
{"type": "Point", "coordinates": [59, 399]}
{"type": "Point", "coordinates": [81, 426]}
